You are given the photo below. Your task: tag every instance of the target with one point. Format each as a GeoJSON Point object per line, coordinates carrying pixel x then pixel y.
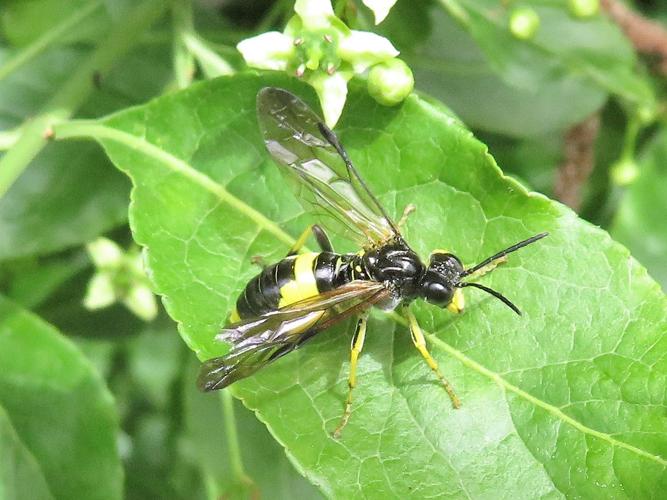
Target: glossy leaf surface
{"type": "Point", "coordinates": [567, 400]}
{"type": "Point", "coordinates": [20, 475]}
{"type": "Point", "coordinates": [463, 53]}
{"type": "Point", "coordinates": [267, 471]}
{"type": "Point", "coordinates": [59, 407]}
{"type": "Point", "coordinates": [593, 49]}
{"type": "Point", "coordinates": [640, 221]}
{"type": "Point", "coordinates": [70, 193]}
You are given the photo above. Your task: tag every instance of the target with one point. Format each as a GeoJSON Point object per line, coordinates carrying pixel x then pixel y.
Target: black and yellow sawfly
{"type": "Point", "coordinates": [305, 293]}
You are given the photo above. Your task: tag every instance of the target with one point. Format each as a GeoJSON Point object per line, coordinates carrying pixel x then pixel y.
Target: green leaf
{"type": "Point", "coordinates": [29, 282]}
{"type": "Point", "coordinates": [22, 22]}
{"type": "Point", "coordinates": [20, 475]}
{"type": "Point", "coordinates": [563, 47]}
{"type": "Point", "coordinates": [516, 87]}
{"type": "Point", "coordinates": [639, 222]}
{"type": "Point", "coordinates": [567, 400]}
{"type": "Point", "coordinates": [70, 193]}
{"type": "Point", "coordinates": [67, 197]}
{"type": "Point", "coordinates": [154, 361]}
{"type": "Point", "coordinates": [532, 160]}
{"type": "Point", "coordinates": [267, 470]}
{"type": "Point", "coordinates": [449, 64]}
{"type": "Point", "coordinates": [64, 309]}
{"type": "Point", "coordinates": [59, 407]}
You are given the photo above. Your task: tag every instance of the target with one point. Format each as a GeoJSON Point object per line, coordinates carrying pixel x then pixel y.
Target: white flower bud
{"type": "Point", "coordinates": [100, 292]}
{"type": "Point", "coordinates": [141, 301]}
{"type": "Point", "coordinates": [104, 253]}
{"type": "Point", "coordinates": [135, 263]}
{"type": "Point", "coordinates": [583, 8]}
{"type": "Point", "coordinates": [390, 82]}
{"type": "Point", "coordinates": [267, 51]}
{"type": "Point", "coordinates": [315, 14]}
{"type": "Point", "coordinates": [332, 91]}
{"type": "Point", "coordinates": [363, 49]}
{"type": "Point", "coordinates": [624, 172]}
{"type": "Point", "coordinates": [380, 8]}
{"type": "Point", "coordinates": [524, 23]}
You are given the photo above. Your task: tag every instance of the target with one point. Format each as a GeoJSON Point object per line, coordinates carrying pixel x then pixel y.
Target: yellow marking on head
{"type": "Point", "coordinates": [357, 268]}
{"type": "Point", "coordinates": [303, 285]}
{"type": "Point", "coordinates": [440, 250]}
{"type": "Point", "coordinates": [234, 316]}
{"type": "Point", "coordinates": [458, 302]}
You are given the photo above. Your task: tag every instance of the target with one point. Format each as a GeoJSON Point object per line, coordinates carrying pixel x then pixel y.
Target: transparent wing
{"type": "Point", "coordinates": [258, 341]}
{"type": "Point", "coordinates": [327, 181]}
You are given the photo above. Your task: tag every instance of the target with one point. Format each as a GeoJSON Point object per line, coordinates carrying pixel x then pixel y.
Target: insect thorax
{"type": "Point", "coordinates": [397, 265]}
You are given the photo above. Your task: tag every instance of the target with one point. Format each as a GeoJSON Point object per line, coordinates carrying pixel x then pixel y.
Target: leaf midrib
{"type": "Point", "coordinates": [95, 130]}
{"type": "Point", "coordinates": [501, 382]}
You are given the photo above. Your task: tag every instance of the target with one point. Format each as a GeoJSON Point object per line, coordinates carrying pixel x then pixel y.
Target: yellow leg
{"type": "Point", "coordinates": [355, 350]}
{"type": "Point", "coordinates": [320, 236]}
{"type": "Point", "coordinates": [420, 343]}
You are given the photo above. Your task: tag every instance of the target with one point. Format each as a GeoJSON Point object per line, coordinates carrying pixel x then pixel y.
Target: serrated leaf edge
{"type": "Point", "coordinates": [101, 132]}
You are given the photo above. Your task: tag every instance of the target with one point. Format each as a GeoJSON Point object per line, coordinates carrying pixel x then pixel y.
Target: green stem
{"type": "Point", "coordinates": [456, 11]}
{"type": "Point", "coordinates": [74, 92]}
{"type": "Point", "coordinates": [630, 137]}
{"type": "Point", "coordinates": [213, 491]}
{"type": "Point", "coordinates": [97, 130]}
{"type": "Point", "coordinates": [9, 137]}
{"type": "Point", "coordinates": [229, 51]}
{"type": "Point", "coordinates": [48, 38]}
{"type": "Point", "coordinates": [235, 459]}
{"type": "Point", "coordinates": [184, 64]}
{"type": "Point", "coordinates": [211, 63]}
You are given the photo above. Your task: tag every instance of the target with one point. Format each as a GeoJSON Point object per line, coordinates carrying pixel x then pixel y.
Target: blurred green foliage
{"type": "Point", "coordinates": [99, 404]}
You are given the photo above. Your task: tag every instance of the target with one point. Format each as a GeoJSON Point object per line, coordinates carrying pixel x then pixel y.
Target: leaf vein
{"type": "Point", "coordinates": [500, 381]}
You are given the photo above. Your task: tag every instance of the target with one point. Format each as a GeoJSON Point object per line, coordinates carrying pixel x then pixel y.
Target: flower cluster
{"type": "Point", "coordinates": [321, 49]}
{"type": "Point", "coordinates": [119, 276]}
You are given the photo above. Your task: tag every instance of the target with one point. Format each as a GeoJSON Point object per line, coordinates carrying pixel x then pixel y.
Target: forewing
{"type": "Point", "coordinates": [258, 341]}
{"type": "Point", "coordinates": [301, 143]}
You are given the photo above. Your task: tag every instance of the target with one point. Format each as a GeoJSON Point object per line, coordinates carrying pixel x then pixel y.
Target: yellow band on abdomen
{"type": "Point", "coordinates": [303, 285]}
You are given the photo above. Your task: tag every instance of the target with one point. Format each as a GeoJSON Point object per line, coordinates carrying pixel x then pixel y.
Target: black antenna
{"type": "Point", "coordinates": [333, 140]}
{"type": "Point", "coordinates": [511, 249]}
{"type": "Point", "coordinates": [491, 291]}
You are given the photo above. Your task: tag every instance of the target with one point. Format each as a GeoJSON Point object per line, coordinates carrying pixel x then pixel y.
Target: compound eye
{"type": "Point", "coordinates": [446, 263]}
{"type": "Point", "coordinates": [437, 293]}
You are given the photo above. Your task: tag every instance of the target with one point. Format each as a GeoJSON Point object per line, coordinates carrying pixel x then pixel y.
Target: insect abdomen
{"type": "Point", "coordinates": [292, 279]}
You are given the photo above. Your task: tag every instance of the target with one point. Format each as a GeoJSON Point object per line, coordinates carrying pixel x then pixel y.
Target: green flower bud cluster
{"type": "Point", "coordinates": [624, 172]}
{"type": "Point", "coordinates": [583, 8]}
{"type": "Point", "coordinates": [319, 48]}
{"type": "Point", "coordinates": [524, 23]}
{"type": "Point", "coordinates": [119, 277]}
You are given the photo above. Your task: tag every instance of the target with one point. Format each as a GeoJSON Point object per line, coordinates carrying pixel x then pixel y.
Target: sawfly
{"type": "Point", "coordinates": [291, 301]}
